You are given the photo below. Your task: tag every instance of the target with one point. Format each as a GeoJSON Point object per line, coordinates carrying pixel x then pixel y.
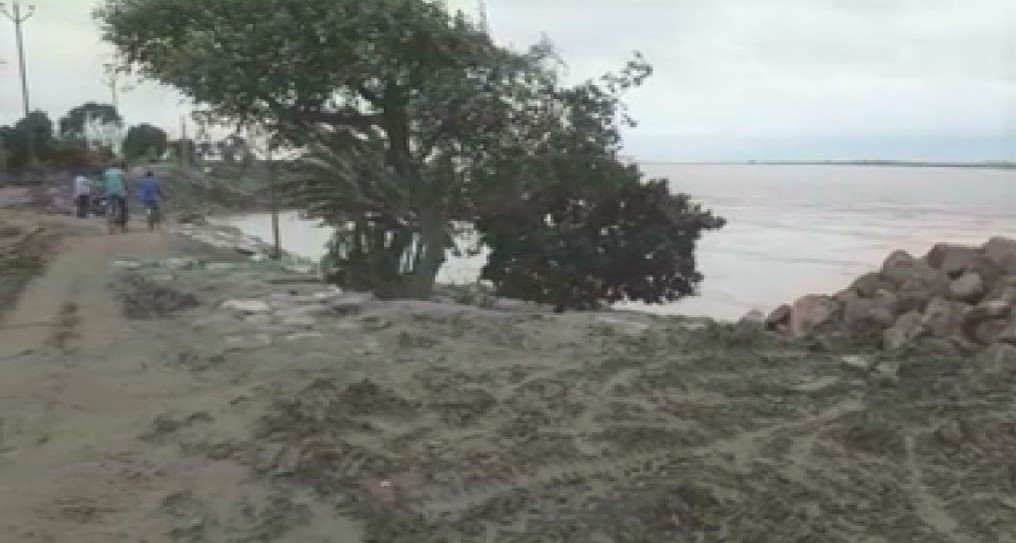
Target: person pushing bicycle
{"type": "Point", "coordinates": [150, 193]}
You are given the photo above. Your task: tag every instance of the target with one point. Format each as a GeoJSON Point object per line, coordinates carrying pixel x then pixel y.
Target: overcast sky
{"type": "Point", "coordinates": [734, 79]}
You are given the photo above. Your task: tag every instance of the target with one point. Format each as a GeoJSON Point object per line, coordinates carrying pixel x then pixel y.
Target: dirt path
{"type": "Point", "coordinates": [75, 394]}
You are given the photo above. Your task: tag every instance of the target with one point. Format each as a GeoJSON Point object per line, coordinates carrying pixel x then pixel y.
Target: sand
{"type": "Point", "coordinates": [328, 421]}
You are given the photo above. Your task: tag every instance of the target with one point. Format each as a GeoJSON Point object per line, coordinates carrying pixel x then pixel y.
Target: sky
{"type": "Point", "coordinates": [733, 79]}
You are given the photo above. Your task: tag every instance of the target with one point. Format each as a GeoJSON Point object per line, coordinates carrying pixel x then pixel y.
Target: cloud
{"type": "Point", "coordinates": [734, 79]}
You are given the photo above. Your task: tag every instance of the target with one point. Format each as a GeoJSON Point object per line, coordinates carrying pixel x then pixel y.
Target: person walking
{"type": "Point", "coordinates": [149, 194]}
{"type": "Point", "coordinates": [82, 194]}
{"type": "Point", "coordinates": [114, 187]}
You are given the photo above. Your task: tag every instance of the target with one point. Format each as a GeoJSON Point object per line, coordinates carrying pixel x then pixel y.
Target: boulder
{"type": "Point", "coordinates": [1008, 333]}
{"type": "Point", "coordinates": [986, 332]}
{"type": "Point", "coordinates": [1002, 252]}
{"type": "Point", "coordinates": [898, 260]}
{"type": "Point", "coordinates": [952, 259]}
{"type": "Point", "coordinates": [812, 312]}
{"type": "Point", "coordinates": [969, 287]}
{"type": "Point", "coordinates": [905, 330]}
{"type": "Point", "coordinates": [985, 322]}
{"type": "Point", "coordinates": [1003, 290]}
{"type": "Point", "coordinates": [779, 317]}
{"type": "Point", "coordinates": [943, 317]}
{"type": "Point", "coordinates": [869, 311]}
{"type": "Point", "coordinates": [986, 268]}
{"type": "Point", "coordinates": [868, 284]}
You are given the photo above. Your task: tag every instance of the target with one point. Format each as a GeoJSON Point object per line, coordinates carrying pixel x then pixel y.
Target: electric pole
{"type": "Point", "coordinates": [18, 17]}
{"type": "Point", "coordinates": [484, 21]}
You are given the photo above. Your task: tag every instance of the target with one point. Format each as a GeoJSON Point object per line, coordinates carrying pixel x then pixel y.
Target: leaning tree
{"type": "Point", "coordinates": [412, 122]}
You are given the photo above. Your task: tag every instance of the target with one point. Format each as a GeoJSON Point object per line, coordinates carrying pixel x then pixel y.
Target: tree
{"type": "Point", "coordinates": [76, 123]}
{"type": "Point", "coordinates": [32, 134]}
{"type": "Point", "coordinates": [413, 119]}
{"type": "Point", "coordinates": [145, 141]}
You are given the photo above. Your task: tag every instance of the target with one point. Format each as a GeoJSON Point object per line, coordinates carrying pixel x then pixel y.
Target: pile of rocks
{"type": "Point", "coordinates": [955, 297]}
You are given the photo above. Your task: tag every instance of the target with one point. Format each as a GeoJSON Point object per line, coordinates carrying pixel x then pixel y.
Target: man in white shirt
{"type": "Point", "coordinates": [82, 194]}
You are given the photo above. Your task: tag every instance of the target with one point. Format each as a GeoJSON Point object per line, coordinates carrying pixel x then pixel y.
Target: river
{"type": "Point", "coordinates": [792, 230]}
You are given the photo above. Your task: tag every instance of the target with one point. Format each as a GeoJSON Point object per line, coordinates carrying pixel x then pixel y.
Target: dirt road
{"type": "Point", "coordinates": [79, 389]}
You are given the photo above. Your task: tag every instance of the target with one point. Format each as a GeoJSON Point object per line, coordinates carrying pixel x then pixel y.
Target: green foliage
{"type": "Point", "coordinates": [32, 134]}
{"type": "Point", "coordinates": [145, 141]}
{"type": "Point", "coordinates": [574, 249]}
{"type": "Point", "coordinates": [414, 121]}
{"type": "Point", "coordinates": [73, 125]}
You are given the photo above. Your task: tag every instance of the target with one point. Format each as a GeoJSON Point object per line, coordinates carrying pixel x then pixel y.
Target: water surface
{"type": "Point", "coordinates": [792, 230]}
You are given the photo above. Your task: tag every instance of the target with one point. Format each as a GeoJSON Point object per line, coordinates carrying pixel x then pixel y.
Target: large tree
{"type": "Point", "coordinates": [80, 119]}
{"type": "Point", "coordinates": [414, 120]}
{"type": "Point", "coordinates": [145, 141]}
{"type": "Point", "coordinates": [30, 138]}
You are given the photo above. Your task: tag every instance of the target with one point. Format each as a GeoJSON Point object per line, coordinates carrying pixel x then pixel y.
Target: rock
{"type": "Point", "coordinates": [952, 259]}
{"type": "Point", "coordinates": [969, 287]}
{"type": "Point", "coordinates": [129, 265]}
{"type": "Point", "coordinates": [162, 277]}
{"type": "Point", "coordinates": [988, 310]}
{"type": "Point", "coordinates": [754, 319]}
{"type": "Point", "coordinates": [986, 268]}
{"type": "Point", "coordinates": [1004, 290]}
{"type": "Point", "coordinates": [916, 292]}
{"type": "Point", "coordinates": [811, 313]}
{"type": "Point", "coordinates": [896, 261]}
{"type": "Point", "coordinates": [873, 311]}
{"type": "Point", "coordinates": [1002, 252]}
{"type": "Point", "coordinates": [180, 263]}
{"type": "Point", "coordinates": [986, 332]}
{"type": "Point", "coordinates": [997, 360]}
{"type": "Point", "coordinates": [868, 284]}
{"type": "Point", "coordinates": [905, 330]}
{"type": "Point", "coordinates": [916, 280]}
{"type": "Point", "coordinates": [943, 317]}
{"type": "Point", "coordinates": [779, 317]}
{"type": "Point", "coordinates": [1008, 333]}
{"type": "Point", "coordinates": [247, 306]}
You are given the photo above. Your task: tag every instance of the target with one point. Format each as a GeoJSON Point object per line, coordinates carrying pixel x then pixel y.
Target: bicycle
{"type": "Point", "coordinates": [116, 214]}
{"type": "Point", "coordinates": [153, 216]}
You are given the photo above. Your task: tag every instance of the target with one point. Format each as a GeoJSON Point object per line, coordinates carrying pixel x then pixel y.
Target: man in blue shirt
{"type": "Point", "coordinates": [149, 193]}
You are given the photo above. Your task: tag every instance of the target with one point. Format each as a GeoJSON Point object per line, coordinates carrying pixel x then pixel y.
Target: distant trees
{"type": "Point", "coordinates": [145, 141]}
{"type": "Point", "coordinates": [76, 123]}
{"type": "Point", "coordinates": [414, 121]}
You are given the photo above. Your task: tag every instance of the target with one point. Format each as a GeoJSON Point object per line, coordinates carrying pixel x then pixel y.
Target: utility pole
{"type": "Point", "coordinates": [183, 142]}
{"type": "Point", "coordinates": [484, 20]}
{"type": "Point", "coordinates": [273, 194]}
{"type": "Point", "coordinates": [19, 17]}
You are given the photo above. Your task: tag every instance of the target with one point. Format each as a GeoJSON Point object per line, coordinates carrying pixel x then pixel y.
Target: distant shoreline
{"type": "Point", "coordinates": [887, 163]}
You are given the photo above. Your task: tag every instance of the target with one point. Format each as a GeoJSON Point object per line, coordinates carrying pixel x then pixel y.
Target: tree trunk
{"type": "Point", "coordinates": [433, 244]}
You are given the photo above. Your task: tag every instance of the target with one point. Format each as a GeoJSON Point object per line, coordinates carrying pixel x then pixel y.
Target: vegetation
{"type": "Point", "coordinates": [413, 121]}
{"type": "Point", "coordinates": [145, 141]}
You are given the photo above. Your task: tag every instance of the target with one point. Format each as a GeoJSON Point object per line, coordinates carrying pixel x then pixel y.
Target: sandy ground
{"type": "Point", "coordinates": [420, 422]}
